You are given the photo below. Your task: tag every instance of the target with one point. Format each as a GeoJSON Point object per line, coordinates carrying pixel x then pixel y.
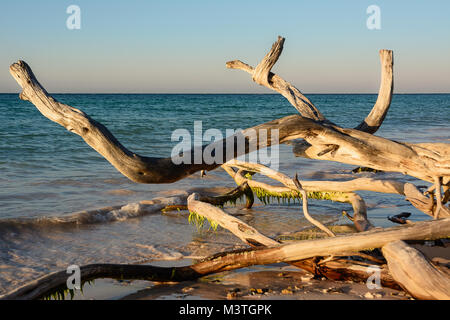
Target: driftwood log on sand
{"type": "Point", "coordinates": [313, 136]}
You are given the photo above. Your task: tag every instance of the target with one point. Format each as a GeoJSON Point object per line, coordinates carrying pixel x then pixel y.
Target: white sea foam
{"type": "Point", "coordinates": [102, 215]}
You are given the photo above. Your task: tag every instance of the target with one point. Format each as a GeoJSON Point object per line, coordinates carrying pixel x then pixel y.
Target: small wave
{"type": "Point", "coordinates": [102, 215]}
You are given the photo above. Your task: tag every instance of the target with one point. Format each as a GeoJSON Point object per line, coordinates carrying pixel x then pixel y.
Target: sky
{"type": "Point", "coordinates": [181, 46]}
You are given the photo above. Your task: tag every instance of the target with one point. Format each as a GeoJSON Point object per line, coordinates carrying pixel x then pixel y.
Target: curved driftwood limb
{"type": "Point", "coordinates": [437, 183]}
{"type": "Point", "coordinates": [415, 273]}
{"type": "Point", "coordinates": [420, 201]}
{"type": "Point", "coordinates": [343, 190]}
{"type": "Point", "coordinates": [360, 148]}
{"type": "Point", "coordinates": [360, 219]}
{"type": "Point", "coordinates": [376, 116]}
{"type": "Point", "coordinates": [318, 224]}
{"type": "Point", "coordinates": [337, 269]}
{"type": "Point", "coordinates": [409, 190]}
{"type": "Point", "coordinates": [354, 146]}
{"type": "Point", "coordinates": [262, 169]}
{"type": "Point", "coordinates": [135, 167]}
{"type": "Point", "coordinates": [57, 281]}
{"type": "Point", "coordinates": [262, 75]}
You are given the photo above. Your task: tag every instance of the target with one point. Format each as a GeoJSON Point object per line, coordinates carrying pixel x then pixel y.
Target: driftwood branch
{"type": "Point", "coordinates": [238, 259]}
{"type": "Point", "coordinates": [135, 167]}
{"type": "Point", "coordinates": [415, 273]}
{"type": "Point", "coordinates": [318, 224]}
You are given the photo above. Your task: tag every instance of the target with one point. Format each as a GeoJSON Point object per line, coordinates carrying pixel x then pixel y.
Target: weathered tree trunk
{"type": "Point", "coordinates": [430, 230]}
{"type": "Point", "coordinates": [415, 273]}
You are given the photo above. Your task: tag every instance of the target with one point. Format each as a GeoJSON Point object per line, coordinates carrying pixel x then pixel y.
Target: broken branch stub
{"type": "Point", "coordinates": [379, 111]}
{"type": "Point", "coordinates": [262, 75]}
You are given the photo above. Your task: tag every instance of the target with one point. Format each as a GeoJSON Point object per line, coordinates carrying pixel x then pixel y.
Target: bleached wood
{"type": "Point", "coordinates": [439, 207]}
{"type": "Point", "coordinates": [375, 238]}
{"type": "Point", "coordinates": [352, 146]}
{"type": "Point", "coordinates": [262, 75]}
{"type": "Point", "coordinates": [135, 167]}
{"type": "Point", "coordinates": [339, 144]}
{"type": "Point", "coordinates": [240, 229]}
{"type": "Point", "coordinates": [409, 190]}
{"type": "Point", "coordinates": [341, 191]}
{"type": "Point", "coordinates": [317, 223]}
{"type": "Point", "coordinates": [323, 140]}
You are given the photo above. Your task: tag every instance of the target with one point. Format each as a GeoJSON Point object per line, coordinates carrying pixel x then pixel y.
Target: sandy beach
{"type": "Point", "coordinates": [269, 282]}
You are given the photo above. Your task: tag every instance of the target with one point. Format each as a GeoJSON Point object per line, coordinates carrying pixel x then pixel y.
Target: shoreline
{"type": "Point", "coordinates": [273, 282]}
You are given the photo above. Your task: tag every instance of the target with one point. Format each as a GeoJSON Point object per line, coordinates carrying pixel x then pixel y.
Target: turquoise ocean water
{"type": "Point", "coordinates": [47, 173]}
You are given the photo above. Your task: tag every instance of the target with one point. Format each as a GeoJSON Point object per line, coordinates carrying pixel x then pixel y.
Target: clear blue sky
{"type": "Point", "coordinates": [182, 46]}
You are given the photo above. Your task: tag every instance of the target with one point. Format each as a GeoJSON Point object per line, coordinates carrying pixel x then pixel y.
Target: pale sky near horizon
{"type": "Point", "coordinates": [182, 46]}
